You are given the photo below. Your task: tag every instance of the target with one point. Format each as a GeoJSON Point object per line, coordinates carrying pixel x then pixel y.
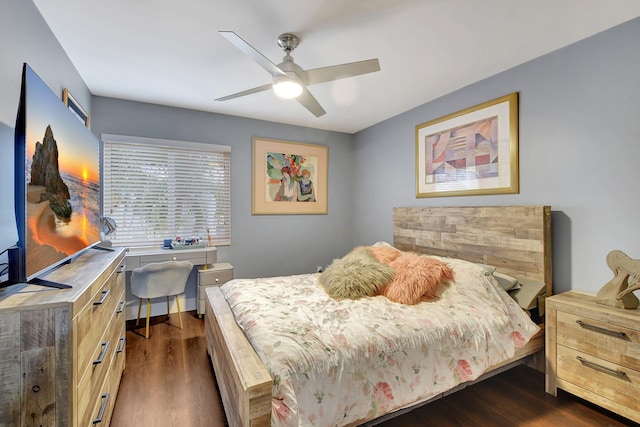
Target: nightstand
{"type": "Point", "coordinates": [214, 275]}
{"type": "Point", "coordinates": [593, 352]}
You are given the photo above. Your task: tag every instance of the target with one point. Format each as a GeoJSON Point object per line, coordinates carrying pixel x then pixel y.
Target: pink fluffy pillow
{"type": "Point", "coordinates": [417, 276]}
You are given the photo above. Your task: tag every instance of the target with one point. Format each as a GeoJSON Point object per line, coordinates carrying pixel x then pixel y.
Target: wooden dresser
{"type": "Point", "coordinates": [593, 351]}
{"type": "Point", "coordinates": [62, 351]}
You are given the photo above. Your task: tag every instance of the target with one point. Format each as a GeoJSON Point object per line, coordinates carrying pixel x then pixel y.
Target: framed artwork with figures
{"type": "Point", "coordinates": [289, 178]}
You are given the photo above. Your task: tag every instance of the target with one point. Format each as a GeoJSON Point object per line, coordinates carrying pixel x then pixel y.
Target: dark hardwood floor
{"type": "Point", "coordinates": [168, 381]}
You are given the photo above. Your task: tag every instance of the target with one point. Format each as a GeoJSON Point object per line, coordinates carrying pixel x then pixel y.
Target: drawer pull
{"type": "Point", "coordinates": [121, 308]}
{"type": "Point", "coordinates": [123, 267]}
{"type": "Point", "coordinates": [105, 347]}
{"type": "Point", "coordinates": [120, 348]}
{"type": "Point", "coordinates": [105, 294]}
{"type": "Point", "coordinates": [103, 407]}
{"type": "Point", "coordinates": [595, 328]}
{"type": "Point", "coordinates": [601, 368]}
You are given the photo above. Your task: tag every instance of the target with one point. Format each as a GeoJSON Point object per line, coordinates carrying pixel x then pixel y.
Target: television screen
{"type": "Point", "coordinates": [57, 181]}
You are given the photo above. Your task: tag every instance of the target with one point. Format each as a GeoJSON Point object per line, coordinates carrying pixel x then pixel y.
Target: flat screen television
{"type": "Point", "coordinates": [57, 183]}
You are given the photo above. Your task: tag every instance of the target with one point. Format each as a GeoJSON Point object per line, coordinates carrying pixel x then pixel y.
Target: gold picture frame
{"type": "Point", "coordinates": [75, 108]}
{"type": "Point", "coordinates": [471, 152]}
{"type": "Point", "coordinates": [289, 178]}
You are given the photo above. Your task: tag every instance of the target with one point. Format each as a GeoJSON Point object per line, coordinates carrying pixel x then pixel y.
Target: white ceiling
{"type": "Point", "coordinates": [169, 52]}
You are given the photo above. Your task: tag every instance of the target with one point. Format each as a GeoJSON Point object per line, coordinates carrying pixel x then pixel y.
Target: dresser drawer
{"type": "Point", "coordinates": [115, 373]}
{"type": "Point", "coordinates": [608, 380]}
{"type": "Point", "coordinates": [93, 319]}
{"type": "Point", "coordinates": [112, 382]}
{"type": "Point", "coordinates": [92, 382]}
{"type": "Point", "coordinates": [99, 413]}
{"type": "Point", "coordinates": [606, 341]}
{"type": "Point", "coordinates": [121, 354]}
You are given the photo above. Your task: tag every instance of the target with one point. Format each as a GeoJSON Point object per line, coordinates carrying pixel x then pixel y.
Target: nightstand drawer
{"type": "Point", "coordinates": [219, 274]}
{"type": "Point", "coordinates": [608, 380]}
{"type": "Point", "coordinates": [607, 341]}
{"type": "Point", "coordinates": [593, 351]}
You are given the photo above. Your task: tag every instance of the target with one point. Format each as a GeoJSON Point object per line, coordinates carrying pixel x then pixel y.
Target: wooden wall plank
{"type": "Point", "coordinates": [10, 369]}
{"type": "Point", "coordinates": [38, 387]}
{"type": "Point", "coordinates": [37, 329]}
{"type": "Point", "coordinates": [64, 390]}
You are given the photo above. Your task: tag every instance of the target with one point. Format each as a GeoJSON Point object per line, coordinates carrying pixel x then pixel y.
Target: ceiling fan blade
{"type": "Point", "coordinates": [335, 72]}
{"type": "Point", "coordinates": [252, 53]}
{"type": "Point", "coordinates": [310, 103]}
{"type": "Point", "coordinates": [246, 92]}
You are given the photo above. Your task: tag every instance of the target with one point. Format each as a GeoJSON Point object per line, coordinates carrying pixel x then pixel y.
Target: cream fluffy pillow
{"type": "Point", "coordinates": [385, 254]}
{"type": "Point", "coordinates": [417, 276]}
{"type": "Point", "coordinates": [355, 275]}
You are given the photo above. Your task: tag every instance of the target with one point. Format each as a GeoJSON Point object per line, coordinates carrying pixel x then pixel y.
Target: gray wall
{"type": "Point", "coordinates": [25, 37]}
{"type": "Point", "coordinates": [260, 245]}
{"type": "Point", "coordinates": [579, 152]}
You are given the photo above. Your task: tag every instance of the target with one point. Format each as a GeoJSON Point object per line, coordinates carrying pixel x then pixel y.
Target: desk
{"type": "Point", "coordinates": [138, 257]}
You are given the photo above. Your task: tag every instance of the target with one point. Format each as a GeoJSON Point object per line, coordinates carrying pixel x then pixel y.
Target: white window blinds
{"type": "Point", "coordinates": [160, 189]}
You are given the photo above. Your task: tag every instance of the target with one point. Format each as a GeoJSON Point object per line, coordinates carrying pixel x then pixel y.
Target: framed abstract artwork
{"type": "Point", "coordinates": [289, 177]}
{"type": "Point", "coordinates": [471, 152]}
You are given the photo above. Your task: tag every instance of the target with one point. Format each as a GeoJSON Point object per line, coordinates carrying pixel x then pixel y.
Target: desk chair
{"type": "Point", "coordinates": [161, 279]}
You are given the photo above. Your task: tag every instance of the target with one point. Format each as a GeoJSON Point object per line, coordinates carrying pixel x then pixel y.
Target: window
{"type": "Point", "coordinates": [159, 189]}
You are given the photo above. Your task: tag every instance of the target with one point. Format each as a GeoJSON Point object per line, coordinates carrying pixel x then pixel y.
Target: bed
{"type": "Point", "coordinates": [516, 240]}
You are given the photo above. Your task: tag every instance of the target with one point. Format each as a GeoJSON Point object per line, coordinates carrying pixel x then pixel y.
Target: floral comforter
{"type": "Point", "coordinates": [337, 362]}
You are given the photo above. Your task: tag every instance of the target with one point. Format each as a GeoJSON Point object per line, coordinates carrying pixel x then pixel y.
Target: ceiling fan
{"type": "Point", "coordinates": [289, 79]}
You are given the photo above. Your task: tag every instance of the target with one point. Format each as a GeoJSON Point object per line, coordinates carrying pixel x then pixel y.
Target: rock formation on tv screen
{"type": "Point", "coordinates": [45, 172]}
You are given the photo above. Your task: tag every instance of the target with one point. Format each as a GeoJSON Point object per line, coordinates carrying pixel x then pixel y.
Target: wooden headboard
{"type": "Point", "coordinates": [514, 239]}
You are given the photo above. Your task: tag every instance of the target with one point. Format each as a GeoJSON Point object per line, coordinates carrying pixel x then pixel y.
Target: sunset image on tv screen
{"type": "Point", "coordinates": [62, 180]}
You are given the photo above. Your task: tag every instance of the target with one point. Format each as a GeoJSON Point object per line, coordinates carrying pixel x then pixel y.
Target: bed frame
{"type": "Point", "coordinates": [515, 239]}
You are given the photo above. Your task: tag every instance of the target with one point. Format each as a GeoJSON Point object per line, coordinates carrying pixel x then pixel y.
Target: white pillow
{"type": "Point", "coordinates": [384, 244]}
{"type": "Point", "coordinates": [508, 283]}
{"type": "Point", "coordinates": [488, 269]}
{"type": "Point", "coordinates": [527, 295]}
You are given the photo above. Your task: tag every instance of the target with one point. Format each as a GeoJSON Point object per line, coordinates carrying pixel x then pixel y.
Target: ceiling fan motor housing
{"type": "Point", "coordinates": [288, 42]}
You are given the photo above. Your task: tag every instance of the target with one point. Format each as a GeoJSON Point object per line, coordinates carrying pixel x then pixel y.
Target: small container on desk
{"type": "Point", "coordinates": [214, 275]}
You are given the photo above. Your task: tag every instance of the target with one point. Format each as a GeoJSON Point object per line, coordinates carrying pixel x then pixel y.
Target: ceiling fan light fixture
{"type": "Point", "coordinates": [289, 79]}
{"type": "Point", "coordinates": [287, 87]}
